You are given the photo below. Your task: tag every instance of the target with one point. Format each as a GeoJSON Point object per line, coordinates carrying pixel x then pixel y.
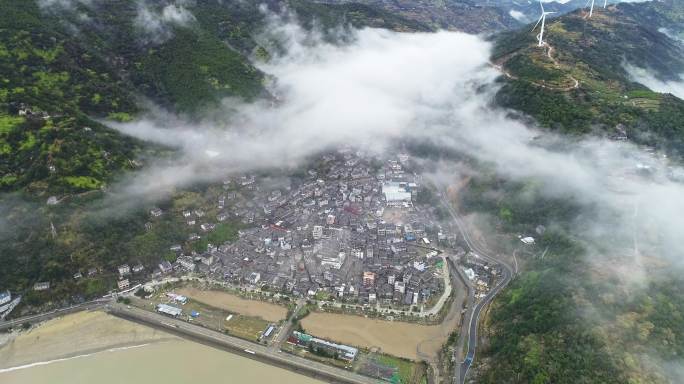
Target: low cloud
{"type": "Point", "coordinates": [385, 86]}
{"type": "Point", "coordinates": [63, 4]}
{"type": "Point", "coordinates": [648, 79]}
{"type": "Point", "coordinates": [519, 16]}
{"type": "Point", "coordinates": [672, 35]}
{"type": "Point", "coordinates": [156, 22]}
{"type": "Point", "coordinates": [367, 93]}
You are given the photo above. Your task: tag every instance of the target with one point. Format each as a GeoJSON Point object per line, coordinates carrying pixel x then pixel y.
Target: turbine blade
{"type": "Point", "coordinates": [541, 5]}
{"type": "Point", "coordinates": [538, 21]}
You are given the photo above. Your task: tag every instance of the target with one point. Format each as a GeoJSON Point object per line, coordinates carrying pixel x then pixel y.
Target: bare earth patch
{"type": "Point", "coordinates": [223, 300]}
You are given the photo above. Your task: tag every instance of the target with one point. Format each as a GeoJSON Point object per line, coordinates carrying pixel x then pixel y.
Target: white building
{"type": "Point", "coordinates": [396, 194]}
{"type": "Point", "coordinates": [5, 297]}
{"type": "Point", "coordinates": [169, 310]}
{"type": "Point", "coordinates": [41, 286]}
{"type": "Point", "coordinates": [124, 270]}
{"type": "Point", "coordinates": [469, 273]}
{"type": "Point", "coordinates": [399, 286]}
{"type": "Point", "coordinates": [317, 232]}
{"type": "Point", "coordinates": [334, 262]}
{"type": "Point", "coordinates": [187, 263]}
{"type": "Point", "coordinates": [254, 277]}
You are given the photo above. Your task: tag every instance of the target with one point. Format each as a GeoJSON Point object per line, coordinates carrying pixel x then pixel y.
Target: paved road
{"type": "Point", "coordinates": [469, 305]}
{"type": "Point", "coordinates": [90, 305]}
{"type": "Point", "coordinates": [284, 331]}
{"type": "Point", "coordinates": [242, 347]}
{"type": "Point", "coordinates": [474, 313]}
{"type": "Point", "coordinates": [474, 320]}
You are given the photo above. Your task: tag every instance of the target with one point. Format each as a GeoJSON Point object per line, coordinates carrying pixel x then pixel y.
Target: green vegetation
{"type": "Point", "coordinates": [406, 369]}
{"type": "Point", "coordinates": [61, 83]}
{"type": "Point", "coordinates": [194, 69]}
{"type": "Point", "coordinates": [390, 368]}
{"type": "Point", "coordinates": [593, 52]}
{"type": "Point", "coordinates": [358, 15]}
{"type": "Point", "coordinates": [222, 233]}
{"type": "Point", "coordinates": [562, 320]}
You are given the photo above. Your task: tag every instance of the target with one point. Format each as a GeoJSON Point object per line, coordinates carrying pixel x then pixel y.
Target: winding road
{"type": "Point", "coordinates": [575, 85]}
{"type": "Point", "coordinates": [469, 329]}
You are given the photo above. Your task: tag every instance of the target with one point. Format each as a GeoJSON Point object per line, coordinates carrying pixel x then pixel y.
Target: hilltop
{"type": "Point", "coordinates": [469, 16]}
{"type": "Point", "coordinates": [577, 83]}
{"type": "Point", "coordinates": [67, 67]}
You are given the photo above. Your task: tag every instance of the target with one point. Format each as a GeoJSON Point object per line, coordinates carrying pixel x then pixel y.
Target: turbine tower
{"type": "Point", "coordinates": [605, 3]}
{"type": "Point", "coordinates": [541, 20]}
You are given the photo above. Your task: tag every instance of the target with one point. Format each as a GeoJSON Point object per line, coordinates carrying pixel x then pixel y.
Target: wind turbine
{"type": "Point", "coordinates": [541, 20]}
{"type": "Point", "coordinates": [605, 3]}
{"type": "Point", "coordinates": [591, 10]}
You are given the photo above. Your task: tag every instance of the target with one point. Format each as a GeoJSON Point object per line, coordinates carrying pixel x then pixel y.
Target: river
{"type": "Point", "coordinates": [168, 362]}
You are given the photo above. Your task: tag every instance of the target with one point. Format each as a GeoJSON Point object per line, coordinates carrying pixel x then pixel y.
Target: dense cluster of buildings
{"type": "Point", "coordinates": [482, 274]}
{"type": "Point", "coordinates": [347, 229]}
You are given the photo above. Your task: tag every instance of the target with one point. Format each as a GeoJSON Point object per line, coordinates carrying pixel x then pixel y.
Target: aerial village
{"type": "Point", "coordinates": [352, 233]}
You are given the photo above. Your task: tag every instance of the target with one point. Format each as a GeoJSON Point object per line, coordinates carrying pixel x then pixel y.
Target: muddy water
{"type": "Point", "coordinates": [412, 341]}
{"type": "Point", "coordinates": [169, 362]}
{"type": "Point", "coordinates": [223, 300]}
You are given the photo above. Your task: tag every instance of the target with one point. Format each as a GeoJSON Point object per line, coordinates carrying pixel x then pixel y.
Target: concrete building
{"type": "Point", "coordinates": [165, 267]}
{"type": "Point", "coordinates": [123, 284]}
{"type": "Point", "coordinates": [124, 270]}
{"type": "Point", "coordinates": [169, 310]}
{"type": "Point", "coordinates": [396, 194]}
{"type": "Point", "coordinates": [368, 279]}
{"type": "Point", "coordinates": [41, 286]}
{"type": "Point", "coordinates": [186, 263]}
{"type": "Point", "coordinates": [317, 232]}
{"type": "Point", "coordinates": [339, 351]}
{"type": "Point", "coordinates": [254, 278]}
{"type": "Point", "coordinates": [5, 297]}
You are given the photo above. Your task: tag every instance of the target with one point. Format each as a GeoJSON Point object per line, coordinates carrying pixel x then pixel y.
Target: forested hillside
{"type": "Point", "coordinates": [566, 318]}
{"type": "Point", "coordinates": [69, 68]}
{"type": "Point", "coordinates": [577, 83]}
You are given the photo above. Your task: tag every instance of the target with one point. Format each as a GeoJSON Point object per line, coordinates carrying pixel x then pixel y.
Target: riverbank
{"type": "Point", "coordinates": [75, 334]}
{"type": "Point", "coordinates": [172, 362]}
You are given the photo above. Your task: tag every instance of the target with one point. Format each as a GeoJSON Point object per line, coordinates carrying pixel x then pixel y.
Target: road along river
{"type": "Point", "coordinates": [90, 347]}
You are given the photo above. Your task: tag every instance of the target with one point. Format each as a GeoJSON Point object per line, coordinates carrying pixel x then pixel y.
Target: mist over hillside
{"type": "Point", "coordinates": [577, 142]}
